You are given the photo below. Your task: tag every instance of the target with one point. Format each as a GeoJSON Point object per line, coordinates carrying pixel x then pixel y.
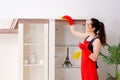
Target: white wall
{"type": "Point", "coordinates": [8, 57]}
{"type": "Point", "coordinates": [5, 23]}
{"type": "Point", "coordinates": [106, 10]}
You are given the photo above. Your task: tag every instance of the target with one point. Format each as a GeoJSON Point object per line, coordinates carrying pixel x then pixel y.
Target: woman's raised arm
{"type": "Point", "coordinates": [73, 29]}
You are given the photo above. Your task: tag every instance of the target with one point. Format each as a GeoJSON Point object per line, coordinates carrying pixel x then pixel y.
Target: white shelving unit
{"type": "Point", "coordinates": [42, 49]}
{"type": "Point", "coordinates": [33, 40]}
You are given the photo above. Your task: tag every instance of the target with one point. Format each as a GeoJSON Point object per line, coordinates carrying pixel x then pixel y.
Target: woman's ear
{"type": "Point", "coordinates": [93, 29]}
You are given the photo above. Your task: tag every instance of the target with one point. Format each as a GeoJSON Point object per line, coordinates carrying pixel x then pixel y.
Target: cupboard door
{"type": "Point", "coordinates": [66, 44]}
{"type": "Point", "coordinates": [34, 51]}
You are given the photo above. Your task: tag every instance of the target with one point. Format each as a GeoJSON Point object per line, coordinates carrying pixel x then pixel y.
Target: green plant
{"type": "Point", "coordinates": [113, 59]}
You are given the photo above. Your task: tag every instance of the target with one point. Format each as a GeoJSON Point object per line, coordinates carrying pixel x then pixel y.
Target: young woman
{"type": "Point", "coordinates": [90, 46]}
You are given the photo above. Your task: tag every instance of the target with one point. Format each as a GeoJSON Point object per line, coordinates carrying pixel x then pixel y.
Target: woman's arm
{"type": "Point", "coordinates": [72, 27]}
{"type": "Point", "coordinates": [96, 49]}
{"type": "Point", "coordinates": [76, 33]}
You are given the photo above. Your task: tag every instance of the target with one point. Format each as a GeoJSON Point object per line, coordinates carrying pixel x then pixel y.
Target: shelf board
{"type": "Point", "coordinates": [14, 24]}
{"type": "Point", "coordinates": [33, 21]}
{"type": "Point", "coordinates": [30, 65]}
{"type": "Point", "coordinates": [31, 44]}
{"type": "Point", "coordinates": [67, 67]}
{"type": "Point", "coordinates": [66, 45]}
{"type": "Point", "coordinates": [65, 22]}
{"type": "Point", "coordinates": [8, 31]}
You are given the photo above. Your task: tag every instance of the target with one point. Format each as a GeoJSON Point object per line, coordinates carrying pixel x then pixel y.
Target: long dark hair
{"type": "Point", "coordinates": [99, 30]}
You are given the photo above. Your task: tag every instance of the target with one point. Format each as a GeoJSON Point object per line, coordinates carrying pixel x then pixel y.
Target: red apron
{"type": "Point", "coordinates": [88, 67]}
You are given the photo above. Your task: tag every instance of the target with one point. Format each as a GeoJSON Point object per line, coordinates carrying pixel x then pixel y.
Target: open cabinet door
{"type": "Point", "coordinates": [33, 49]}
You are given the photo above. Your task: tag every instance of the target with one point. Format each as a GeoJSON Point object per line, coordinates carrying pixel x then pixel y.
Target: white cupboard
{"type": "Point", "coordinates": [42, 49]}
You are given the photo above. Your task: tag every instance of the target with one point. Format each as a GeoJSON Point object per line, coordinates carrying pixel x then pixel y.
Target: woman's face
{"type": "Point", "coordinates": [89, 26]}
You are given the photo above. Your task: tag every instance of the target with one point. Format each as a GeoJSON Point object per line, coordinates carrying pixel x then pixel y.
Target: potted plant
{"type": "Point", "coordinates": [112, 59]}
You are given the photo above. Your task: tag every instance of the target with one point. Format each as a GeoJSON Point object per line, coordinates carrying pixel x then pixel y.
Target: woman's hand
{"type": "Point", "coordinates": [83, 47]}
{"type": "Point", "coordinates": [68, 18]}
{"type": "Point", "coordinates": [73, 29]}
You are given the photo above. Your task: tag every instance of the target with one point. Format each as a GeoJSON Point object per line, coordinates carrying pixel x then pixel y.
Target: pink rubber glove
{"type": "Point", "coordinates": [68, 18]}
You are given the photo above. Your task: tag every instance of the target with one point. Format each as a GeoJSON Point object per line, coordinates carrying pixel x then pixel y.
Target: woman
{"type": "Point", "coordinates": [90, 46]}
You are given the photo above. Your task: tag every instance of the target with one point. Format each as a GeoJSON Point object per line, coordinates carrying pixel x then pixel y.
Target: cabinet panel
{"type": "Point", "coordinates": [35, 50]}
{"type": "Point", "coordinates": [68, 74]}
{"type": "Point", "coordinates": [65, 39]}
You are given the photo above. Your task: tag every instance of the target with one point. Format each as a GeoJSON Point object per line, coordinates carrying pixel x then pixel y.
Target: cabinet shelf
{"type": "Point", "coordinates": [67, 67]}
{"type": "Point", "coordinates": [8, 31]}
{"type": "Point", "coordinates": [66, 45]}
{"type": "Point", "coordinates": [31, 44]}
{"type": "Point", "coordinates": [33, 65]}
